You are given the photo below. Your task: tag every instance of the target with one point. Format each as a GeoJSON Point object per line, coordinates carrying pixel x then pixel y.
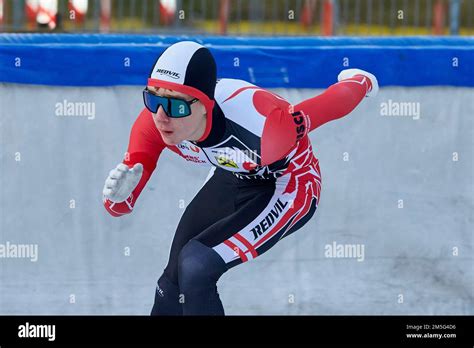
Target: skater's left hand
{"type": "Point", "coordinates": [348, 73]}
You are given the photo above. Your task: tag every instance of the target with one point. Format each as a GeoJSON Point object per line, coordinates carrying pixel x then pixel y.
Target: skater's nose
{"type": "Point", "coordinates": [161, 115]}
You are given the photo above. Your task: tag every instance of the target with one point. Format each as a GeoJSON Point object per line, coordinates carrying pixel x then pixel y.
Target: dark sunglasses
{"type": "Point", "coordinates": [173, 107]}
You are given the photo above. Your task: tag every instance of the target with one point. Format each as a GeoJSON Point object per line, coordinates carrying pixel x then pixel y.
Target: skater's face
{"type": "Point", "coordinates": [176, 130]}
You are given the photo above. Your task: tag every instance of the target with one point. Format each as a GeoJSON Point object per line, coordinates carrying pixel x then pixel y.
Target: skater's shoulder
{"type": "Point", "coordinates": [227, 89]}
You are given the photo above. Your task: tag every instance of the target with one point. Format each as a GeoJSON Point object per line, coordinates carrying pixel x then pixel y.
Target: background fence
{"type": "Point", "coordinates": [265, 17]}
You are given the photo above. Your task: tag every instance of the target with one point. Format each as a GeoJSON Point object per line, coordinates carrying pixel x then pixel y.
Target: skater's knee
{"type": "Point", "coordinates": [199, 266]}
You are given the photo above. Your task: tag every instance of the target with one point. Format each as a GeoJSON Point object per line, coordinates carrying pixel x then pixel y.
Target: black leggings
{"type": "Point", "coordinates": [230, 221]}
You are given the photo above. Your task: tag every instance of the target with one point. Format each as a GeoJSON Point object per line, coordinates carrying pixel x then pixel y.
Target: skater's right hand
{"type": "Point", "coordinates": [121, 182]}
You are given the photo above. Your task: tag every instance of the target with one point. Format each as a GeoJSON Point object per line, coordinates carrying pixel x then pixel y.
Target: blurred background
{"type": "Point", "coordinates": [249, 17]}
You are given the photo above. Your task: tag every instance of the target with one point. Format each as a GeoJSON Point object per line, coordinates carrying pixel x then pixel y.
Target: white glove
{"type": "Point", "coordinates": [348, 73]}
{"type": "Point", "coordinates": [121, 182]}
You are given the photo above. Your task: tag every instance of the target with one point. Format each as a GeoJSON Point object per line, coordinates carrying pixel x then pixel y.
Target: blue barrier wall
{"type": "Point", "coordinates": [108, 60]}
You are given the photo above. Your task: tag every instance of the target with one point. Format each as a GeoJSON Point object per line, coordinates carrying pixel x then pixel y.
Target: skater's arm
{"type": "Point", "coordinates": [284, 128]}
{"type": "Point", "coordinates": [337, 101]}
{"type": "Point", "coordinates": [145, 146]}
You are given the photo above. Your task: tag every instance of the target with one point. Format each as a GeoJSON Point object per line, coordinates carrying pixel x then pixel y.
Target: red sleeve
{"type": "Point", "coordinates": [285, 126]}
{"type": "Point", "coordinates": [144, 147]}
{"type": "Point", "coordinates": [336, 102]}
{"type": "Point", "coordinates": [278, 137]}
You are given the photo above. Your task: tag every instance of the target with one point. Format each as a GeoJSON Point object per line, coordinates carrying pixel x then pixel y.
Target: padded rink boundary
{"type": "Point", "coordinates": [288, 62]}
